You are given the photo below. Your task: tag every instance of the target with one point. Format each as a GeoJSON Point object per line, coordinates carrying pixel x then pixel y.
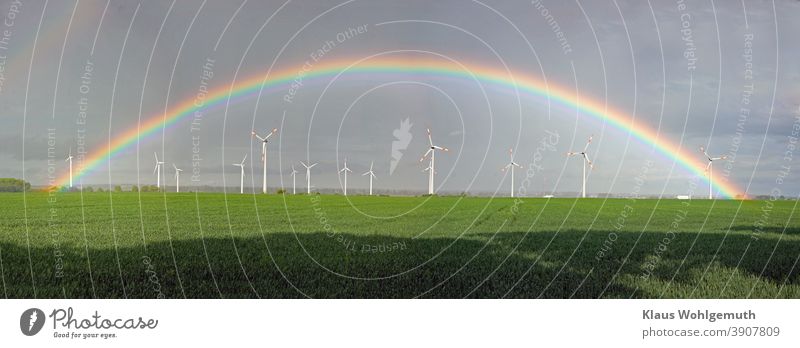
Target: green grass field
{"type": "Point", "coordinates": [117, 245]}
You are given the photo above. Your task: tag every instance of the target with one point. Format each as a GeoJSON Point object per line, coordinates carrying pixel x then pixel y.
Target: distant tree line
{"type": "Point", "coordinates": [14, 185]}
{"type": "Point", "coordinates": [118, 188]}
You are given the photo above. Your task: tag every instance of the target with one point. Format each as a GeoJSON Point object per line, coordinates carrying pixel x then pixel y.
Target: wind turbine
{"type": "Point", "coordinates": [308, 176]}
{"type": "Point", "coordinates": [345, 170]}
{"type": "Point", "coordinates": [241, 179]}
{"type": "Point", "coordinates": [157, 170]}
{"type": "Point", "coordinates": [371, 176]}
{"type": "Point", "coordinates": [294, 181]}
{"type": "Point", "coordinates": [432, 151]}
{"type": "Point", "coordinates": [177, 178]}
{"type": "Point", "coordinates": [710, 170]}
{"type": "Point", "coordinates": [264, 141]}
{"type": "Point", "coordinates": [69, 159]}
{"type": "Point", "coordinates": [586, 161]}
{"type": "Point", "coordinates": [511, 166]}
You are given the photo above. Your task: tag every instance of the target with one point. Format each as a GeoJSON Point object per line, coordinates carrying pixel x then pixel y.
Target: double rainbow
{"type": "Point", "coordinates": [280, 82]}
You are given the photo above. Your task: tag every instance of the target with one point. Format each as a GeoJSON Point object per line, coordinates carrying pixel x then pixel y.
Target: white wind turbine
{"type": "Point", "coordinates": [432, 168]}
{"type": "Point", "coordinates": [710, 170]}
{"type": "Point", "coordinates": [345, 170]}
{"type": "Point", "coordinates": [69, 159]}
{"type": "Point", "coordinates": [371, 176]}
{"type": "Point", "coordinates": [264, 142]}
{"type": "Point", "coordinates": [586, 161]}
{"type": "Point", "coordinates": [511, 166]}
{"type": "Point", "coordinates": [241, 179]}
{"type": "Point", "coordinates": [294, 181]}
{"type": "Point", "coordinates": [308, 176]}
{"type": "Point", "coordinates": [158, 170]}
{"type": "Point", "coordinates": [177, 178]}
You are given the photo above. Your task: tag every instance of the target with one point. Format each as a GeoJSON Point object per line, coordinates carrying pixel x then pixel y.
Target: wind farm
{"type": "Point", "coordinates": [364, 228]}
{"type": "Point", "coordinates": [425, 151]}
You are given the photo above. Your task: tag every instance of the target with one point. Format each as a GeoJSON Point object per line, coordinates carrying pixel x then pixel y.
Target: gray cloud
{"type": "Point", "coordinates": [637, 66]}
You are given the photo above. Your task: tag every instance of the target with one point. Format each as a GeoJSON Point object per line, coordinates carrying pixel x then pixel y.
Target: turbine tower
{"type": "Point", "coordinates": [177, 178]}
{"type": "Point", "coordinates": [264, 142]}
{"type": "Point", "coordinates": [510, 166]}
{"type": "Point", "coordinates": [345, 170]}
{"type": "Point", "coordinates": [371, 176]}
{"type": "Point", "coordinates": [69, 159]}
{"type": "Point", "coordinates": [710, 170]}
{"type": "Point", "coordinates": [308, 176]}
{"type": "Point", "coordinates": [586, 161]}
{"type": "Point", "coordinates": [241, 178]}
{"type": "Point", "coordinates": [294, 181]}
{"type": "Point", "coordinates": [157, 170]}
{"type": "Point", "coordinates": [432, 151]}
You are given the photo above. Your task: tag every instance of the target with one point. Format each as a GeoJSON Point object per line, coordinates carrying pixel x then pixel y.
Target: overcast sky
{"type": "Point", "coordinates": [150, 56]}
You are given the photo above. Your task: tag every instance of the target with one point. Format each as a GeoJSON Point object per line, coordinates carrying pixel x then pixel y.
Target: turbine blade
{"type": "Point", "coordinates": [274, 131]}
{"type": "Point", "coordinates": [588, 142]}
{"type": "Point", "coordinates": [703, 150]}
{"type": "Point", "coordinates": [425, 155]}
{"type": "Point", "coordinates": [257, 136]}
{"type": "Point", "coordinates": [370, 165]}
{"type": "Point", "coordinates": [586, 157]}
{"type": "Point", "coordinates": [430, 139]}
{"type": "Point", "coordinates": [155, 154]}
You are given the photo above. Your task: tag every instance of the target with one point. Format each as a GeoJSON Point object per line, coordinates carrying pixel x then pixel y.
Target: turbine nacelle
{"type": "Point", "coordinates": [158, 163]}
{"type": "Point", "coordinates": [711, 159]}
{"type": "Point", "coordinates": [345, 169]}
{"type": "Point", "coordinates": [241, 164]}
{"type": "Point", "coordinates": [266, 138]}
{"type": "Point", "coordinates": [584, 153]}
{"type": "Point", "coordinates": [511, 162]}
{"type": "Point", "coordinates": [307, 166]}
{"type": "Point", "coordinates": [586, 161]}
{"type": "Point", "coordinates": [370, 172]}
{"type": "Point", "coordinates": [264, 141]}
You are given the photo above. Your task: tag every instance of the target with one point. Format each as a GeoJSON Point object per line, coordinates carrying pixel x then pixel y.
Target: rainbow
{"type": "Point", "coordinates": [281, 81]}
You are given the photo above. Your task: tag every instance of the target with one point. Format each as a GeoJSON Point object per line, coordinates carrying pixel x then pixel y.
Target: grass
{"type": "Point", "coordinates": [130, 245]}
